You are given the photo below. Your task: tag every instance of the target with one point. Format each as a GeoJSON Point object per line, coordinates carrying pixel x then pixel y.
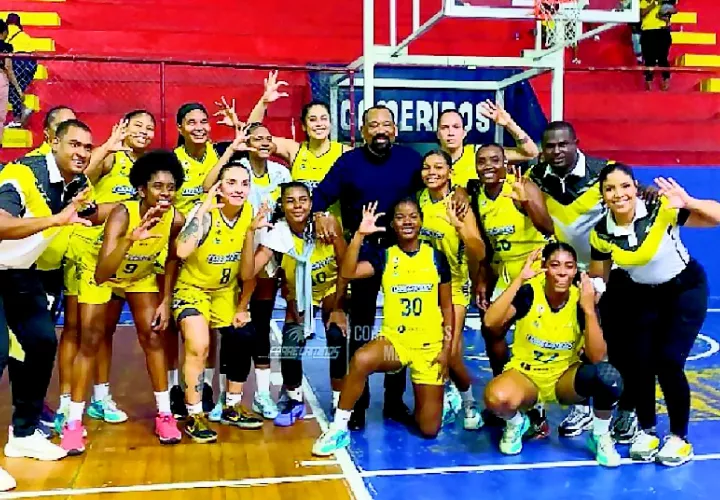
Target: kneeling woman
{"type": "Point", "coordinates": [554, 320]}
{"type": "Point", "coordinates": [417, 324]}
{"type": "Point", "coordinates": [311, 274]}
{"type": "Point", "coordinates": [206, 296]}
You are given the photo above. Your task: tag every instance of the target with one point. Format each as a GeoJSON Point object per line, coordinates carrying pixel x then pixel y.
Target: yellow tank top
{"type": "Point", "coordinates": [310, 169]}
{"type": "Point", "coordinates": [546, 340]}
{"type": "Point", "coordinates": [324, 269]}
{"type": "Point", "coordinates": [195, 172]}
{"type": "Point", "coordinates": [464, 168]}
{"type": "Point", "coordinates": [442, 235]}
{"type": "Point", "coordinates": [139, 262]}
{"type": "Point", "coordinates": [411, 312]}
{"type": "Point", "coordinates": [215, 263]}
{"type": "Point", "coordinates": [511, 233]}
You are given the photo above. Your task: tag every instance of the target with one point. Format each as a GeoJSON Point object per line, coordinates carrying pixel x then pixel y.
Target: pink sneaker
{"type": "Point", "coordinates": [73, 440]}
{"type": "Point", "coordinates": [166, 429]}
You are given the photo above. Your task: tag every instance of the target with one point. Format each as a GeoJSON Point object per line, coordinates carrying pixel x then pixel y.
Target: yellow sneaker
{"type": "Point", "coordinates": [675, 451]}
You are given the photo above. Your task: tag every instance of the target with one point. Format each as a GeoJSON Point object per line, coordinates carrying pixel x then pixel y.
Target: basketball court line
{"type": "Point", "coordinates": [265, 481]}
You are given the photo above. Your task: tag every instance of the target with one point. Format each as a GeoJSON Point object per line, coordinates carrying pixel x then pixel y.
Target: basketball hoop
{"type": "Point", "coordinates": [561, 20]}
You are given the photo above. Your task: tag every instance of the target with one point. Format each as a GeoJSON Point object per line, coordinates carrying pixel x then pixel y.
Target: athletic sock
{"type": "Point", "coordinates": [76, 411]}
{"type": "Point", "coordinates": [195, 409]}
{"type": "Point", "coordinates": [467, 396]}
{"type": "Point", "coordinates": [162, 399]}
{"type": "Point", "coordinates": [262, 379]}
{"type": "Point", "coordinates": [600, 426]}
{"type": "Point", "coordinates": [231, 398]}
{"type": "Point", "coordinates": [295, 394]}
{"type": "Point", "coordinates": [173, 377]}
{"type": "Point", "coordinates": [516, 419]}
{"type": "Point", "coordinates": [101, 391]}
{"type": "Point", "coordinates": [222, 382]}
{"type": "Point", "coordinates": [209, 375]}
{"type": "Point", "coordinates": [342, 417]}
{"type": "Point", "coordinates": [64, 403]}
{"type": "Point", "coordinates": [336, 398]}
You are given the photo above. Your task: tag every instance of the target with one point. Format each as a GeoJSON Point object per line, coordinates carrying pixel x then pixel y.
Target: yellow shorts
{"type": "Point", "coordinates": [545, 378]}
{"type": "Point", "coordinates": [70, 278]}
{"type": "Point", "coordinates": [460, 291]}
{"type": "Point", "coordinates": [420, 361]}
{"type": "Point", "coordinates": [217, 307]}
{"type": "Point", "coordinates": [89, 292]}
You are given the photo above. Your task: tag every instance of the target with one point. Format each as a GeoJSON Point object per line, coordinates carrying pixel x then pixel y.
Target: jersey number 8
{"type": "Point", "coordinates": [412, 307]}
{"type": "Point", "coordinates": [225, 278]}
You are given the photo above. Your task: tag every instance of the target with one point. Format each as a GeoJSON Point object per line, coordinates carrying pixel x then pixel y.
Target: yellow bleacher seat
{"type": "Point", "coordinates": [41, 73]}
{"type": "Point", "coordinates": [35, 18]}
{"type": "Point", "coordinates": [31, 101]}
{"type": "Point", "coordinates": [693, 38]}
{"type": "Point", "coordinates": [684, 18]}
{"type": "Point", "coordinates": [16, 138]}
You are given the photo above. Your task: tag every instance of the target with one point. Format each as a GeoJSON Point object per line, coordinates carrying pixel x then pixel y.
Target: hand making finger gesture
{"type": "Point", "coordinates": [518, 192]}
{"type": "Point", "coordinates": [272, 88]}
{"type": "Point", "coordinates": [368, 225]}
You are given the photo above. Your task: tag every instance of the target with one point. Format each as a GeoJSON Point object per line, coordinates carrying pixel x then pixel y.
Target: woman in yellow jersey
{"type": "Point", "coordinates": [554, 321]}
{"type": "Point", "coordinates": [310, 268]}
{"type": "Point", "coordinates": [451, 135]}
{"type": "Point", "coordinates": [668, 295]}
{"type": "Point", "coordinates": [206, 296]}
{"type": "Point", "coordinates": [461, 243]}
{"type": "Point", "coordinates": [417, 325]}
{"type": "Point", "coordinates": [135, 234]}
{"type": "Point", "coordinates": [109, 173]}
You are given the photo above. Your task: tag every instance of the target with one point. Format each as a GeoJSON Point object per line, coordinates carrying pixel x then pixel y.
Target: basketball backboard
{"type": "Point", "coordinates": [594, 11]}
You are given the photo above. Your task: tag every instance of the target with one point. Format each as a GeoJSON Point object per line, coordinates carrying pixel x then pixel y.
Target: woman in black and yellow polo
{"type": "Point", "coordinates": [669, 291]}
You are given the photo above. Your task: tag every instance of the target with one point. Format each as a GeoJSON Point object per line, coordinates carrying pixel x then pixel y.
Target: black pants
{"type": "Point", "coordinates": [659, 332]}
{"type": "Point", "coordinates": [24, 309]}
{"type": "Point", "coordinates": [363, 299]}
{"type": "Point", "coordinates": [655, 45]}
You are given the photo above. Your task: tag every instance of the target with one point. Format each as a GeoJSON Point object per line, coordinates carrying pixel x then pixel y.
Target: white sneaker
{"type": "Point", "coordinates": [7, 482]}
{"type": "Point", "coordinates": [265, 406]}
{"type": "Point", "coordinates": [676, 451]}
{"type": "Point", "coordinates": [473, 418]}
{"type": "Point", "coordinates": [34, 446]}
{"type": "Point", "coordinates": [644, 447]}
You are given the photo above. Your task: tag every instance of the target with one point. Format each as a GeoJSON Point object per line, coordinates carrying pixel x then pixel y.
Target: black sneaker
{"type": "Point", "coordinates": [357, 420]}
{"type": "Point", "coordinates": [624, 427]}
{"type": "Point", "coordinates": [241, 417]}
{"type": "Point", "coordinates": [198, 428]}
{"type": "Point", "coordinates": [208, 402]}
{"type": "Point", "coordinates": [177, 402]}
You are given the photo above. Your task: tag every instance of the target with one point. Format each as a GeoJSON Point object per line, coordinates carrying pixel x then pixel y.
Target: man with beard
{"type": "Point", "coordinates": [384, 173]}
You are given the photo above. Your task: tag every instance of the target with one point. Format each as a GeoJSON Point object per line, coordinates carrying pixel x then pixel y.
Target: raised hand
{"type": "Point", "coordinates": [227, 114]}
{"type": "Point", "coordinates": [495, 112]}
{"type": "Point", "coordinates": [69, 214]}
{"type": "Point", "coordinates": [210, 202]}
{"type": "Point", "coordinates": [148, 222]}
{"type": "Point", "coordinates": [676, 196]}
{"type": "Point", "coordinates": [452, 214]}
{"type": "Point", "coordinates": [587, 293]}
{"type": "Point", "coordinates": [518, 192]}
{"type": "Point", "coordinates": [272, 88]}
{"type": "Point", "coordinates": [261, 219]}
{"type": "Point", "coordinates": [116, 141]}
{"type": "Point", "coordinates": [240, 142]}
{"type": "Point", "coordinates": [528, 272]}
{"type": "Point", "coordinates": [368, 225]}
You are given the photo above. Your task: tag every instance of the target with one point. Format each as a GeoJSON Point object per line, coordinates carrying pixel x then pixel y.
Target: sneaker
{"type": "Point", "coordinates": [579, 419]}
{"type": "Point", "coordinates": [511, 441]}
{"type": "Point", "coordinates": [290, 412]}
{"type": "Point", "coordinates": [177, 402]}
{"type": "Point", "coordinates": [208, 401]}
{"type": "Point", "coordinates": [330, 441]}
{"type": "Point", "coordinates": [7, 482]}
{"type": "Point", "coordinates": [675, 451]}
{"type": "Point", "coordinates": [624, 427]}
{"type": "Point", "coordinates": [452, 403]}
{"type": "Point", "coordinates": [539, 427]}
{"type": "Point", "coordinates": [603, 447]}
{"type": "Point", "coordinates": [265, 406]}
{"type": "Point", "coordinates": [47, 416]}
{"type": "Point", "coordinates": [644, 447]}
{"type": "Point", "coordinates": [59, 421]}
{"type": "Point", "coordinates": [107, 411]}
{"type": "Point", "coordinates": [241, 417]}
{"type": "Point", "coordinates": [166, 429]}
{"type": "Point", "coordinates": [44, 430]}
{"type": "Point", "coordinates": [473, 418]}
{"type": "Point", "coordinates": [216, 414]}
{"type": "Point", "coordinates": [72, 438]}
{"type": "Point", "coordinates": [33, 446]}
{"type": "Point", "coordinates": [198, 428]}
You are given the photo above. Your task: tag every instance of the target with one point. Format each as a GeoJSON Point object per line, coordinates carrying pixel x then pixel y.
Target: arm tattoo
{"type": "Point", "coordinates": [200, 383]}
{"type": "Point", "coordinates": [190, 230]}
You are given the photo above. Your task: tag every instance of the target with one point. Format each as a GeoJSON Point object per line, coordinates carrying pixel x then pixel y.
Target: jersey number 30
{"type": "Point", "coordinates": [411, 307]}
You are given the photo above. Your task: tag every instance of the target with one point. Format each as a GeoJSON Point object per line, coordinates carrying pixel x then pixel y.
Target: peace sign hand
{"type": "Point", "coordinates": [495, 112]}
{"type": "Point", "coordinates": [368, 225]}
{"type": "Point", "coordinates": [518, 193]}
{"type": "Point", "coordinates": [116, 141]}
{"type": "Point", "coordinates": [272, 88]}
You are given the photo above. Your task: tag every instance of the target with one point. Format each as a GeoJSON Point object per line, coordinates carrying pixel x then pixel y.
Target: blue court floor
{"type": "Point", "coordinates": [395, 464]}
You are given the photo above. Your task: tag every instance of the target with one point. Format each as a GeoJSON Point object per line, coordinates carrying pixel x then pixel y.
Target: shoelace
{"type": "Point", "coordinates": [575, 415]}
{"type": "Point", "coordinates": [110, 404]}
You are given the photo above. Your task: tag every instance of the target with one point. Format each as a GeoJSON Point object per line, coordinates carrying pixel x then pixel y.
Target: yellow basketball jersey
{"type": "Point", "coordinates": [195, 173]}
{"type": "Point", "coordinates": [215, 264]}
{"type": "Point", "coordinates": [511, 233]}
{"type": "Point", "coordinates": [546, 340]}
{"type": "Point", "coordinates": [52, 256]}
{"type": "Point", "coordinates": [139, 262]}
{"type": "Point", "coordinates": [411, 311]}
{"type": "Point", "coordinates": [442, 235]}
{"type": "Point", "coordinates": [310, 169]}
{"type": "Point", "coordinates": [464, 168]}
{"type": "Point", "coordinates": [324, 269]}
{"type": "Point", "coordinates": [264, 181]}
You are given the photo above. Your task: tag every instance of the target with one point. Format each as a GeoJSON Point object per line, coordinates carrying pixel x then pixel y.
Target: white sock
{"type": "Point", "coordinates": [600, 426]}
{"type": "Point", "coordinates": [76, 411]}
{"type": "Point", "coordinates": [262, 379]}
{"type": "Point", "coordinates": [101, 391]}
{"type": "Point", "coordinates": [516, 419]}
{"type": "Point", "coordinates": [64, 402]}
{"type": "Point", "coordinates": [467, 396]}
{"type": "Point", "coordinates": [336, 399]}
{"type": "Point", "coordinates": [209, 376]}
{"type": "Point", "coordinates": [295, 394]}
{"type": "Point", "coordinates": [231, 399]}
{"type": "Point", "coordinates": [162, 399]}
{"type": "Point", "coordinates": [173, 378]}
{"type": "Point", "coordinates": [342, 417]}
{"type": "Point", "coordinates": [195, 409]}
{"type": "Point", "coordinates": [222, 382]}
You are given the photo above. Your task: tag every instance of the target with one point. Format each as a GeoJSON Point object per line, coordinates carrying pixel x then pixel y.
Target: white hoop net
{"type": "Point", "coordinates": [561, 22]}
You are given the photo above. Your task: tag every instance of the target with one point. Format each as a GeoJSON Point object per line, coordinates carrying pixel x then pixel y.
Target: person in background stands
{"type": "Point", "coordinates": [655, 38]}
{"type": "Point", "coordinates": [8, 79]}
{"type": "Point", "coordinates": [25, 68]}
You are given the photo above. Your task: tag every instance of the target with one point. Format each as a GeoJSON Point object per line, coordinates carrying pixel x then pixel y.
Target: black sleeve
{"type": "Point", "coordinates": [596, 254]}
{"type": "Point", "coordinates": [523, 301]}
{"type": "Point", "coordinates": [442, 266]}
{"type": "Point", "coordinates": [375, 255]}
{"type": "Point", "coordinates": [10, 200]}
{"type": "Point", "coordinates": [682, 217]}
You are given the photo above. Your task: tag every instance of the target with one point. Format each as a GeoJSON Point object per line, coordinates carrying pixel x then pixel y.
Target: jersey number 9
{"type": "Point", "coordinates": [130, 268]}
{"type": "Point", "coordinates": [412, 307]}
{"type": "Point", "coordinates": [225, 277]}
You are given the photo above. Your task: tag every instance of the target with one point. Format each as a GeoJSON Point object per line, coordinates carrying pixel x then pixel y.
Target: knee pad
{"type": "Point", "coordinates": [337, 351]}
{"type": "Point", "coordinates": [601, 382]}
{"type": "Point", "coordinates": [235, 352]}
